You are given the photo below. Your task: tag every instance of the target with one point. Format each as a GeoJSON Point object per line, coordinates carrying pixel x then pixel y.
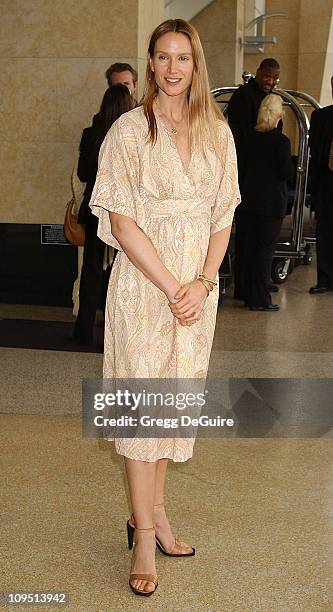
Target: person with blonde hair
{"type": "Point", "coordinates": [165, 196]}
{"type": "Point", "coordinates": [264, 196]}
{"type": "Point", "coordinates": [269, 114]}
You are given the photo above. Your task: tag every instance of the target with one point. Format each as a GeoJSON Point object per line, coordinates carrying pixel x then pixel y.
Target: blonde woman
{"type": "Point", "coordinates": [165, 196]}
{"type": "Point", "coordinates": [267, 167]}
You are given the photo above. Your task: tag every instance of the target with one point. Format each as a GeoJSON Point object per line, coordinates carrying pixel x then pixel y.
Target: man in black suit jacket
{"type": "Point", "coordinates": [244, 103]}
{"type": "Point", "coordinates": [321, 173]}
{"type": "Point", "coordinates": [243, 110]}
{"type": "Point", "coordinates": [122, 73]}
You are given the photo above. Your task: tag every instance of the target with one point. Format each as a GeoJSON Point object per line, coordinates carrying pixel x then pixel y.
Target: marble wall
{"type": "Point", "coordinates": [304, 45]}
{"type": "Point", "coordinates": [53, 55]}
{"type": "Point", "coordinates": [220, 25]}
{"type": "Point", "coordinates": [326, 93]}
{"type": "Point", "coordinates": [315, 62]}
{"type": "Point", "coordinates": [150, 14]}
{"type": "Point", "coordinates": [285, 51]}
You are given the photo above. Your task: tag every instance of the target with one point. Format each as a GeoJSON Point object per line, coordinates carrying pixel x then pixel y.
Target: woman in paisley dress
{"type": "Point", "coordinates": [165, 196]}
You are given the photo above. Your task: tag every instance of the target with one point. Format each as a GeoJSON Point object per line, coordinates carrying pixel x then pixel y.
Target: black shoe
{"type": "Point", "coordinates": [269, 307]}
{"type": "Point", "coordinates": [273, 288]}
{"type": "Point", "coordinates": [319, 289]}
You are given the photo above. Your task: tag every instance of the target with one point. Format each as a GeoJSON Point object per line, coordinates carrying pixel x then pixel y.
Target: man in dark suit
{"type": "Point", "coordinates": [124, 74]}
{"type": "Point", "coordinates": [242, 116]}
{"type": "Point", "coordinates": [121, 73]}
{"type": "Point", "coordinates": [321, 173]}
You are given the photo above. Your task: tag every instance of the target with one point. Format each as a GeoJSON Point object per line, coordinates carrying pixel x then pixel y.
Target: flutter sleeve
{"type": "Point", "coordinates": [228, 195]}
{"type": "Point", "coordinates": [117, 182]}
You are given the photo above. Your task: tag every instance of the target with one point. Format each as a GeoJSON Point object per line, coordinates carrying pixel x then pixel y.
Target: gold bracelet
{"type": "Point", "coordinates": [206, 285]}
{"type": "Point", "coordinates": [211, 282]}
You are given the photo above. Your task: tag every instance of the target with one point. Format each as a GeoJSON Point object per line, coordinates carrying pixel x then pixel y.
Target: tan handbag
{"type": "Point", "coordinates": [75, 232]}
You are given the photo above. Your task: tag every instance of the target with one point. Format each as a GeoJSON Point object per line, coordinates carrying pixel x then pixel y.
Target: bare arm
{"type": "Point", "coordinates": [142, 253]}
{"type": "Point", "coordinates": [192, 296]}
{"type": "Point", "coordinates": [217, 248]}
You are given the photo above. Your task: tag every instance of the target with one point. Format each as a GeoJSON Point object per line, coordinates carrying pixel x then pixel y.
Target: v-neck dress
{"type": "Point", "coordinates": [179, 212]}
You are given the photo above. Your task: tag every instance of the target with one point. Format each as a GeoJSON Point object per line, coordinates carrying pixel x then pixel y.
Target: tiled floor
{"type": "Point", "coordinates": [259, 511]}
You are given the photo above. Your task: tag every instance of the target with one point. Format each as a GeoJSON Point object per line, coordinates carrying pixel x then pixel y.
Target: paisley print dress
{"type": "Point", "coordinates": [178, 211]}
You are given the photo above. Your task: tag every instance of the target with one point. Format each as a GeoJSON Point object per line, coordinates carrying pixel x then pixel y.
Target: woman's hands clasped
{"type": "Point", "coordinates": [187, 304]}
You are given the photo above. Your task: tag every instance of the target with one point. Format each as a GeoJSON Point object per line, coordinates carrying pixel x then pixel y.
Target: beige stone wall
{"type": "Point", "coordinates": [285, 51]}
{"type": "Point", "coordinates": [150, 14]}
{"type": "Point", "coordinates": [326, 88]}
{"type": "Point", "coordinates": [304, 45]}
{"type": "Point", "coordinates": [220, 25]}
{"type": "Point", "coordinates": [304, 50]}
{"type": "Point", "coordinates": [53, 56]}
{"type": "Point", "coordinates": [316, 49]}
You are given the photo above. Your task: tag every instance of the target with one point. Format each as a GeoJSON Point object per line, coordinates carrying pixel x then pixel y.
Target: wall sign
{"type": "Point", "coordinates": [53, 234]}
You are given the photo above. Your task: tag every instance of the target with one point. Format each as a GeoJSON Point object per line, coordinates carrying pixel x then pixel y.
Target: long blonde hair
{"type": "Point", "coordinates": [270, 112]}
{"type": "Point", "coordinates": [203, 110]}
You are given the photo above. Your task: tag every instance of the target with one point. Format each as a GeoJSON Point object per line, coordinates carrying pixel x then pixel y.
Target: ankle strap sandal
{"type": "Point", "coordinates": [146, 577]}
{"type": "Point", "coordinates": [172, 553]}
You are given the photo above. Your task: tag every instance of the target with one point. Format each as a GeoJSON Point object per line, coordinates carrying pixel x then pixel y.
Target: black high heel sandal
{"type": "Point", "coordinates": [130, 537]}
{"type": "Point", "coordinates": [130, 532]}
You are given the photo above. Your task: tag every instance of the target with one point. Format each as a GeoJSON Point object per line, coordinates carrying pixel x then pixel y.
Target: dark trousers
{"type": "Point", "coordinates": [240, 258]}
{"type": "Point", "coordinates": [324, 243]}
{"type": "Point", "coordinates": [263, 233]}
{"type": "Point", "coordinates": [93, 285]}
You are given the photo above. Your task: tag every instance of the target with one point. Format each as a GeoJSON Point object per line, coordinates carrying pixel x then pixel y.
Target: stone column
{"type": "Point", "coordinates": [150, 15]}
{"type": "Point", "coordinates": [316, 49]}
{"type": "Point", "coordinates": [220, 26]}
